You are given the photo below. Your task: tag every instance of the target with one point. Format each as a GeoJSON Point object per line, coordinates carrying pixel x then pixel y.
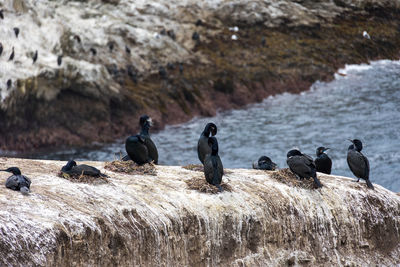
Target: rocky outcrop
{"type": "Point", "coordinates": [113, 51]}
{"type": "Point", "coordinates": [157, 221]}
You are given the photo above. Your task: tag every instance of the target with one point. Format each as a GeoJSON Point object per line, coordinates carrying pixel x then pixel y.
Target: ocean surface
{"type": "Point", "coordinates": [363, 102]}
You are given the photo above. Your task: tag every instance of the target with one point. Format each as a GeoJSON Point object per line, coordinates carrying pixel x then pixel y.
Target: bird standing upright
{"type": "Point", "coordinates": [203, 147]}
{"type": "Point", "coordinates": [213, 168]}
{"type": "Point", "coordinates": [323, 163]}
{"type": "Point", "coordinates": [358, 163]}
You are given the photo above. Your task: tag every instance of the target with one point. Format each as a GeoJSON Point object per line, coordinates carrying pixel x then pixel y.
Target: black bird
{"type": "Point", "coordinates": [111, 46]}
{"type": "Point", "coordinates": [59, 60]}
{"type": "Point", "coordinates": [199, 22]}
{"type": "Point", "coordinates": [196, 36]}
{"type": "Point", "coordinates": [163, 32]}
{"type": "Point", "coordinates": [9, 83]}
{"type": "Point", "coordinates": [17, 181]}
{"type": "Point", "coordinates": [72, 169]}
{"type": "Point", "coordinates": [77, 38]}
{"type": "Point", "coordinates": [263, 41]}
{"type": "Point", "coordinates": [162, 72]}
{"type": "Point", "coordinates": [358, 163]}
{"type": "Point", "coordinates": [94, 51]}
{"type": "Point", "coordinates": [140, 148]}
{"type": "Point", "coordinates": [171, 34]}
{"type": "Point", "coordinates": [127, 49]}
{"type": "Point", "coordinates": [1, 14]}
{"type": "Point", "coordinates": [35, 56]}
{"type": "Point", "coordinates": [1, 48]}
{"type": "Point", "coordinates": [323, 163]}
{"type": "Point", "coordinates": [203, 148]}
{"type": "Point", "coordinates": [213, 168]}
{"type": "Point", "coordinates": [16, 31]}
{"type": "Point", "coordinates": [12, 55]}
{"type": "Point", "coordinates": [302, 165]}
{"type": "Point", "coordinates": [180, 68]}
{"type": "Point", "coordinates": [265, 163]}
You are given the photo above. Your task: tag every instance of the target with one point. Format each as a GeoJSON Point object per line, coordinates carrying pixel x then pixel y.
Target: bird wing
{"type": "Point", "coordinates": [136, 150]}
{"type": "Point", "coordinates": [208, 169]}
{"type": "Point", "coordinates": [12, 182]}
{"type": "Point", "coordinates": [300, 165]}
{"type": "Point", "coordinates": [203, 149]}
{"type": "Point", "coordinates": [152, 149]}
{"type": "Point", "coordinates": [358, 164]}
{"type": "Point", "coordinates": [86, 170]}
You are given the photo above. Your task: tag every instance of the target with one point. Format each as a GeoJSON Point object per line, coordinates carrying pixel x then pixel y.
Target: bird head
{"type": "Point", "coordinates": [321, 150]}
{"type": "Point", "coordinates": [145, 119]}
{"type": "Point", "coordinates": [13, 170]}
{"type": "Point", "coordinates": [211, 127]}
{"type": "Point", "coordinates": [293, 152]}
{"type": "Point", "coordinates": [357, 144]}
{"type": "Point", "coordinates": [70, 164]}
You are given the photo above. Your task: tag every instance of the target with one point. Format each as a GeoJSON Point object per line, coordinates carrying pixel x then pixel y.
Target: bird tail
{"type": "Point", "coordinates": [369, 184]}
{"type": "Point", "coordinates": [24, 190]}
{"type": "Point", "coordinates": [317, 182]}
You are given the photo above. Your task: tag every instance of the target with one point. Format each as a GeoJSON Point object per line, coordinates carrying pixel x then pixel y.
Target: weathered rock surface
{"type": "Point", "coordinates": [99, 97]}
{"type": "Point", "coordinates": [157, 221]}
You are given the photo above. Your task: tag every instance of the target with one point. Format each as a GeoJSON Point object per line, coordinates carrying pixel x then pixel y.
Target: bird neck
{"type": "Point", "coordinates": [145, 129]}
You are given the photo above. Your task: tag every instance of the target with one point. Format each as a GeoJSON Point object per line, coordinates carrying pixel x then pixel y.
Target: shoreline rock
{"type": "Point", "coordinates": [99, 98]}
{"type": "Point", "coordinates": [157, 220]}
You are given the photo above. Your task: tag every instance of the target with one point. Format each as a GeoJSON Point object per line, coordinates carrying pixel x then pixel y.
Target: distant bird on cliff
{"type": "Point", "coordinates": [203, 147]}
{"type": "Point", "coordinates": [213, 168]}
{"type": "Point", "coordinates": [323, 163]}
{"type": "Point", "coordinates": [302, 165]}
{"type": "Point", "coordinates": [264, 163]}
{"type": "Point", "coordinates": [94, 51]}
{"type": "Point", "coordinates": [1, 48]}
{"type": "Point", "coordinates": [16, 31]}
{"type": "Point", "coordinates": [77, 38]}
{"type": "Point", "coordinates": [72, 169]}
{"type": "Point", "coordinates": [171, 34]}
{"type": "Point", "coordinates": [111, 46]}
{"type": "Point", "coordinates": [17, 181]}
{"type": "Point", "coordinates": [1, 14]}
{"type": "Point", "coordinates": [196, 36]}
{"type": "Point", "coordinates": [140, 148]}
{"type": "Point", "coordinates": [199, 22]}
{"type": "Point", "coordinates": [358, 163]}
{"type": "Point", "coordinates": [12, 55]}
{"type": "Point", "coordinates": [35, 56]}
{"type": "Point", "coordinates": [9, 83]}
{"type": "Point", "coordinates": [127, 49]}
{"type": "Point", "coordinates": [162, 72]}
{"type": "Point", "coordinates": [59, 60]}
{"type": "Point", "coordinates": [366, 35]}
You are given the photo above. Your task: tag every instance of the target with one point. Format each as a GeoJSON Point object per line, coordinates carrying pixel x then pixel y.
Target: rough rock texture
{"type": "Point", "coordinates": [99, 97]}
{"type": "Point", "coordinates": [157, 221]}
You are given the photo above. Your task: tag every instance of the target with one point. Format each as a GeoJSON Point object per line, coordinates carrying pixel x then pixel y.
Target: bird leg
{"type": "Point", "coordinates": [357, 180]}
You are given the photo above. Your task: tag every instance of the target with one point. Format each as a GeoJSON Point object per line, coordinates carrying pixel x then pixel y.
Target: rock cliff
{"type": "Point", "coordinates": [145, 220]}
{"type": "Point", "coordinates": [122, 58]}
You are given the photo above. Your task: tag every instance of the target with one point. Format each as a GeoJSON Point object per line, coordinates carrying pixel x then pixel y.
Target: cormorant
{"type": "Point", "coordinates": [35, 56]}
{"type": "Point", "coordinates": [265, 163]}
{"type": "Point", "coordinates": [1, 48]}
{"type": "Point", "coordinates": [203, 148]}
{"type": "Point", "coordinates": [17, 181]}
{"type": "Point", "coordinates": [72, 169]}
{"type": "Point", "coordinates": [9, 83]}
{"type": "Point", "coordinates": [196, 36]}
{"type": "Point", "coordinates": [323, 163]}
{"type": "Point", "coordinates": [16, 31]}
{"type": "Point", "coordinates": [199, 22]}
{"type": "Point", "coordinates": [77, 38]}
{"type": "Point", "coordinates": [111, 46]}
{"type": "Point", "coordinates": [94, 51]}
{"type": "Point", "coordinates": [12, 55]}
{"type": "Point", "coordinates": [140, 148]}
{"type": "Point", "coordinates": [213, 168]}
{"type": "Point", "coordinates": [358, 163]}
{"type": "Point", "coordinates": [127, 49]}
{"type": "Point", "coordinates": [302, 165]}
{"type": "Point", "coordinates": [171, 34]}
{"type": "Point", "coordinates": [59, 60]}
{"type": "Point", "coordinates": [162, 72]}
{"type": "Point", "coordinates": [1, 14]}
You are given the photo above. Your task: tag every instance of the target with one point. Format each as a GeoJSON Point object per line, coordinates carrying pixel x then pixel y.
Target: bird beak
{"type": "Point", "coordinates": [350, 140]}
{"type": "Point", "coordinates": [326, 149]}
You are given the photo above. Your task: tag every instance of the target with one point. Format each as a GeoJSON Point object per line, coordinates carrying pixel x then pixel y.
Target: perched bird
{"type": "Point", "coordinates": [72, 169]}
{"type": "Point", "coordinates": [358, 163]}
{"type": "Point", "coordinates": [366, 35]}
{"type": "Point", "coordinates": [35, 56]}
{"type": "Point", "coordinates": [171, 34]}
{"type": "Point", "coordinates": [213, 168]}
{"type": "Point", "coordinates": [196, 36]}
{"type": "Point", "coordinates": [162, 72]}
{"type": "Point", "coordinates": [163, 32]}
{"type": "Point", "coordinates": [264, 163]}
{"type": "Point", "coordinates": [9, 83]}
{"type": "Point", "coordinates": [1, 14]}
{"type": "Point", "coordinates": [302, 165]}
{"type": "Point", "coordinates": [1, 48]}
{"type": "Point", "coordinates": [199, 22]}
{"type": "Point", "coordinates": [59, 60]}
{"type": "Point", "coordinates": [16, 31]}
{"type": "Point", "coordinates": [140, 148]}
{"type": "Point", "coordinates": [111, 46]}
{"type": "Point", "coordinates": [12, 55]}
{"type": "Point", "coordinates": [77, 38]}
{"type": "Point", "coordinates": [203, 148]}
{"type": "Point", "coordinates": [323, 163]}
{"type": "Point", "coordinates": [127, 49]}
{"type": "Point", "coordinates": [93, 50]}
{"type": "Point", "coordinates": [17, 181]}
